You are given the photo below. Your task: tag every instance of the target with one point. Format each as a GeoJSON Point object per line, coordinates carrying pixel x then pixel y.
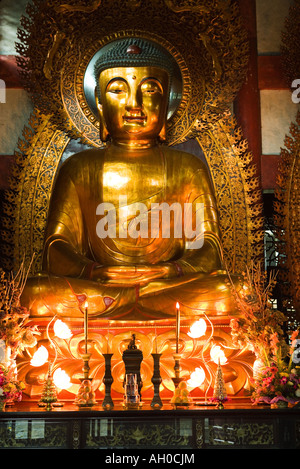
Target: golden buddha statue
{"type": "Point", "coordinates": [133, 226]}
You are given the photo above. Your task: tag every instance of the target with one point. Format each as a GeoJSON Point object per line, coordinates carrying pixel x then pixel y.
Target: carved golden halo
{"type": "Point", "coordinates": [206, 40]}
{"type": "Point", "coordinates": [74, 89]}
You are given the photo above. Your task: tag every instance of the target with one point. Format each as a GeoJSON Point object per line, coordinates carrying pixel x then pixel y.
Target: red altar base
{"type": "Point", "coordinates": [151, 337]}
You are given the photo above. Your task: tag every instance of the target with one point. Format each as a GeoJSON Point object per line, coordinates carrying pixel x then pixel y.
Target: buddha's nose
{"type": "Point", "coordinates": [134, 101]}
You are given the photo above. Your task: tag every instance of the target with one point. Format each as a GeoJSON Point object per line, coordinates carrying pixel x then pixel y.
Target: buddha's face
{"type": "Point", "coordinates": [134, 103]}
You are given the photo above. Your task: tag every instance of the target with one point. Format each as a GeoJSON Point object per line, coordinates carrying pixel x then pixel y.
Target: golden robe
{"type": "Point", "coordinates": [74, 250]}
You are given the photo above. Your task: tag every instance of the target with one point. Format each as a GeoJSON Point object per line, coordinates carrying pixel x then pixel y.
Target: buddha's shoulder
{"type": "Point", "coordinates": [184, 159]}
{"type": "Point", "coordinates": [83, 159]}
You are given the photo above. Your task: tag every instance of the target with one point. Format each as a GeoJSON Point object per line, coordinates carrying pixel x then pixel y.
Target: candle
{"type": "Point", "coordinates": [155, 339]}
{"type": "Point", "coordinates": [85, 324]}
{"type": "Point", "coordinates": [177, 325]}
{"type": "Point", "coordinates": [108, 338]}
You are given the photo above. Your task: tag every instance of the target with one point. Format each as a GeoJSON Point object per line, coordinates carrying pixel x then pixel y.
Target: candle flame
{"type": "Point", "coordinates": [85, 305]}
{"type": "Point", "coordinates": [177, 305]}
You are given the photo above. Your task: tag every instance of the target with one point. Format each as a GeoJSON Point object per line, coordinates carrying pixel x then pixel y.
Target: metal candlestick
{"type": "Point", "coordinates": [86, 367]}
{"type": "Point", "coordinates": [107, 380]}
{"type": "Point", "coordinates": [177, 379]}
{"type": "Point", "coordinates": [156, 381]}
{"type": "Point", "coordinates": [85, 396]}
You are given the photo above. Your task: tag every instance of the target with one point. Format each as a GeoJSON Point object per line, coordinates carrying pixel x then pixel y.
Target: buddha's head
{"type": "Point", "coordinates": [133, 82]}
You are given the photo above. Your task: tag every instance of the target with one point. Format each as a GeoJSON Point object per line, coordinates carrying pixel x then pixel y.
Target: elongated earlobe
{"type": "Point", "coordinates": [104, 135]}
{"type": "Point", "coordinates": [162, 136]}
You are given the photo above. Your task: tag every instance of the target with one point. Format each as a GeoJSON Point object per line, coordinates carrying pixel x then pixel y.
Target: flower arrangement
{"type": "Point", "coordinates": [16, 333]}
{"type": "Point", "coordinates": [10, 388]}
{"type": "Point", "coordinates": [258, 322]}
{"type": "Point", "coordinates": [279, 382]}
{"type": "Point", "coordinates": [15, 330]}
{"type": "Point", "coordinates": [260, 328]}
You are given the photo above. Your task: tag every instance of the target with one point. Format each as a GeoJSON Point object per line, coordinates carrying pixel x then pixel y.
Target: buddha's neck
{"type": "Point", "coordinates": [135, 145]}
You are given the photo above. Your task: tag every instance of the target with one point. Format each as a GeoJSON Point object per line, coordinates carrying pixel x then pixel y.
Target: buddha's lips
{"type": "Point", "coordinates": [133, 118]}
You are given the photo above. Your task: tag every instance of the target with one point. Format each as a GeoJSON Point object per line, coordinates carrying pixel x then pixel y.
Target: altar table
{"type": "Point", "coordinates": [240, 425]}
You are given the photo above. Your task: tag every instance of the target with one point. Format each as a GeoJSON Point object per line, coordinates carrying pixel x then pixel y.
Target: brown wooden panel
{"type": "Point", "coordinates": [5, 167]}
{"type": "Point", "coordinates": [270, 73]}
{"type": "Point", "coordinates": [269, 171]}
{"type": "Point", "coordinates": [247, 103]}
{"type": "Point", "coordinates": [9, 71]}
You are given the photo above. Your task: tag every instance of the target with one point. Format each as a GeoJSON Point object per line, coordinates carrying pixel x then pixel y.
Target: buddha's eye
{"type": "Point", "coordinates": [117, 91]}
{"type": "Point", "coordinates": [151, 87]}
{"type": "Point", "coordinates": [117, 87]}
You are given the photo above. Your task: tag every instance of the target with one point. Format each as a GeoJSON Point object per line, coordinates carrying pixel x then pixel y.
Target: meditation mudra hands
{"type": "Point", "coordinates": [132, 275]}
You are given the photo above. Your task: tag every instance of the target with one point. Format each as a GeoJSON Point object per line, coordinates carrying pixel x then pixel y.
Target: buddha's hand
{"type": "Point", "coordinates": [133, 275]}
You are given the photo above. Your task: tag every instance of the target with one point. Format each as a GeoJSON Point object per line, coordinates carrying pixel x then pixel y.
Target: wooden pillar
{"type": "Point", "coordinates": [247, 103]}
{"type": "Point", "coordinates": [8, 73]}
